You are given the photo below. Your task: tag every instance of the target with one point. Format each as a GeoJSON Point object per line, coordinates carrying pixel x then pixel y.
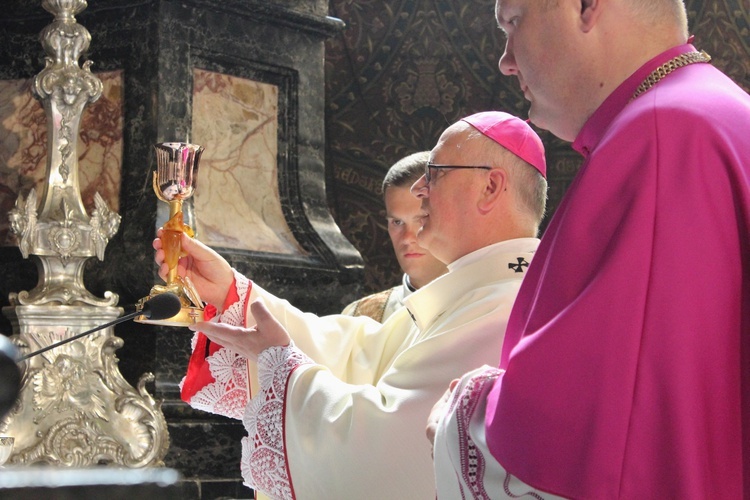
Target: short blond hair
{"type": "Point", "coordinates": [406, 171]}
{"type": "Point", "coordinates": [658, 12]}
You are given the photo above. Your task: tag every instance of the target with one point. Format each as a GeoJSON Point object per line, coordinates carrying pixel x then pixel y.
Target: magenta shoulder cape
{"type": "Point", "coordinates": [626, 356]}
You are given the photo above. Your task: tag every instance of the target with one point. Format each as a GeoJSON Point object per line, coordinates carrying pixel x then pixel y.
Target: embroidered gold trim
{"type": "Point", "coordinates": [669, 66]}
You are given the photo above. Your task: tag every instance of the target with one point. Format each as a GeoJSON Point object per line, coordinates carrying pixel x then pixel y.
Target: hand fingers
{"type": "Point", "coordinates": [267, 324]}
{"type": "Point", "coordinates": [243, 341]}
{"type": "Point", "coordinates": [159, 257]}
{"type": "Point", "coordinates": [197, 250]}
{"type": "Point", "coordinates": [214, 328]}
{"type": "Point", "coordinates": [430, 432]}
{"type": "Point", "coordinates": [262, 315]}
{"type": "Point", "coordinates": [163, 270]}
{"type": "Point", "coordinates": [433, 420]}
{"type": "Point", "coordinates": [190, 245]}
{"type": "Point", "coordinates": [438, 409]}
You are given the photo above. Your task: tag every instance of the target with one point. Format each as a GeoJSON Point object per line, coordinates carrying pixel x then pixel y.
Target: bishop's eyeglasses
{"type": "Point", "coordinates": [429, 166]}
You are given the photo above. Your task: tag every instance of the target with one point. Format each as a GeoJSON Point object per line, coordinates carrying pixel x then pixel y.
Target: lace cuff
{"type": "Point", "coordinates": [236, 304]}
{"type": "Point", "coordinates": [217, 378]}
{"type": "Point", "coordinates": [264, 461]}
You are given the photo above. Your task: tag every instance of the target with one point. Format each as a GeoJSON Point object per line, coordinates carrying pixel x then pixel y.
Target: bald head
{"type": "Point", "coordinates": [528, 186]}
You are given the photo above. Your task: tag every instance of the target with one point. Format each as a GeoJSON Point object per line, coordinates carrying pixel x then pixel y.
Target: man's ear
{"type": "Point", "coordinates": [590, 12]}
{"type": "Point", "coordinates": [495, 187]}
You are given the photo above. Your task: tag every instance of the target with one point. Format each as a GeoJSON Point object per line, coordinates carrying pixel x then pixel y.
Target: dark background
{"type": "Point", "coordinates": [404, 70]}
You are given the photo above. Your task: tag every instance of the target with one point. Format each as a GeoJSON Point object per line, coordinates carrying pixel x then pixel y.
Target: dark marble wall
{"type": "Point", "coordinates": [405, 69]}
{"type": "Point", "coordinates": [156, 44]}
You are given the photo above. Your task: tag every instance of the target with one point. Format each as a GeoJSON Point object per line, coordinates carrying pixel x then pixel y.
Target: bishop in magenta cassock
{"type": "Point", "coordinates": [625, 371]}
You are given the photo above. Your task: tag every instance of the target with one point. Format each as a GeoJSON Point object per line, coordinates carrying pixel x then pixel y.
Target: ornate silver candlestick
{"type": "Point", "coordinates": [75, 409]}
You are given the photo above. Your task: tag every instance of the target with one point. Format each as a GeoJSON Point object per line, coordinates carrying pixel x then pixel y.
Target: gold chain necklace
{"type": "Point", "coordinates": [668, 67]}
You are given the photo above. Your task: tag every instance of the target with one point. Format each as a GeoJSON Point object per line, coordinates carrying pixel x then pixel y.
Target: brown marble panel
{"type": "Point", "coordinates": [237, 201]}
{"type": "Point", "coordinates": [23, 146]}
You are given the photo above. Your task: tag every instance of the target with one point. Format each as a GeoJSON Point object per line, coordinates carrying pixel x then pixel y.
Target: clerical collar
{"type": "Point", "coordinates": [408, 287]}
{"type": "Point", "coordinates": [523, 245]}
{"type": "Point", "coordinates": [596, 126]}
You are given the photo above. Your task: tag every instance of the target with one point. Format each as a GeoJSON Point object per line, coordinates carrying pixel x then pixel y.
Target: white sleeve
{"type": "Point", "coordinates": [464, 466]}
{"type": "Point", "coordinates": [366, 440]}
{"type": "Point", "coordinates": [348, 346]}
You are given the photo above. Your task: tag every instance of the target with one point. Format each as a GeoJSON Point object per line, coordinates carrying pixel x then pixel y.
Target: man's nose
{"type": "Point", "coordinates": [420, 188]}
{"type": "Point", "coordinates": [410, 235]}
{"type": "Point", "coordinates": [507, 63]}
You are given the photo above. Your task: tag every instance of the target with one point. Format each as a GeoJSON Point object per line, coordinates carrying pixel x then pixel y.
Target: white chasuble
{"type": "Point", "coordinates": [341, 413]}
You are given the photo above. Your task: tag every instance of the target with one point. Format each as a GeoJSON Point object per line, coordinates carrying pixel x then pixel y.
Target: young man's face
{"type": "Point", "coordinates": [404, 216]}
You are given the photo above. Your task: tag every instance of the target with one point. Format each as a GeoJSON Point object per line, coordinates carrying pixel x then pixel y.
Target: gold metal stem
{"type": "Point", "coordinates": [175, 206]}
{"type": "Point", "coordinates": [172, 276]}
